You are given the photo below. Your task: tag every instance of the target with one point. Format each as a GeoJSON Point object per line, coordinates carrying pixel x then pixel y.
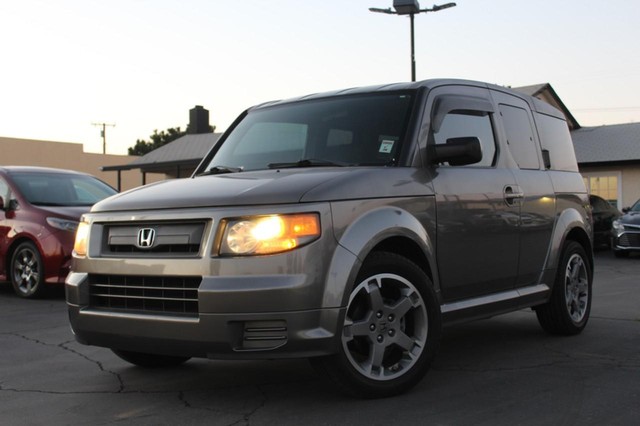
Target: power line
{"type": "Point", "coordinates": [608, 109]}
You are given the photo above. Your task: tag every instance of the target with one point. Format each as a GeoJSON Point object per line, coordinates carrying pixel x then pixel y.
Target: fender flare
{"type": "Point", "coordinates": [570, 221]}
{"type": "Point", "coordinates": [362, 237]}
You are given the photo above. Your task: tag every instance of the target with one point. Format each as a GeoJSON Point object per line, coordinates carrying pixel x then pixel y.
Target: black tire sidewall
{"type": "Point", "coordinates": [554, 316]}
{"type": "Point", "coordinates": [39, 287]}
{"type": "Point", "coordinates": [356, 383]}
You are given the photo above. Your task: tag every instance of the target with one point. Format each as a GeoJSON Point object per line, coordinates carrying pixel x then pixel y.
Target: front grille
{"type": "Point", "coordinates": [629, 239]}
{"type": "Point", "coordinates": [163, 295]}
{"type": "Point", "coordinates": [170, 239]}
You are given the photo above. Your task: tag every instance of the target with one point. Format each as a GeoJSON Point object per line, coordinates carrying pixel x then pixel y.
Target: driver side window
{"type": "Point", "coordinates": [458, 124]}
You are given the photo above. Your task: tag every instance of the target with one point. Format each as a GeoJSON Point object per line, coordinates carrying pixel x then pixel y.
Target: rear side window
{"type": "Point", "coordinates": [555, 138]}
{"type": "Point", "coordinates": [520, 139]}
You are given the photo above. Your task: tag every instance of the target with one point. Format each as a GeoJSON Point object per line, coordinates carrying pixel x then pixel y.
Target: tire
{"type": "Point", "coordinates": [567, 312]}
{"type": "Point", "coordinates": [27, 271]}
{"type": "Point", "coordinates": [391, 330]}
{"type": "Point", "coordinates": [150, 360]}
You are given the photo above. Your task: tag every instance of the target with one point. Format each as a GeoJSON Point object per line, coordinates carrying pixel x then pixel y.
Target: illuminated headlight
{"type": "Point", "coordinates": [63, 224]}
{"type": "Point", "coordinates": [618, 227]}
{"type": "Point", "coordinates": [269, 234]}
{"type": "Point", "coordinates": [80, 246]}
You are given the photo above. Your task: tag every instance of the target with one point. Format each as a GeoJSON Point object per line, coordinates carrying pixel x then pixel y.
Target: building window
{"type": "Point", "coordinates": [604, 185]}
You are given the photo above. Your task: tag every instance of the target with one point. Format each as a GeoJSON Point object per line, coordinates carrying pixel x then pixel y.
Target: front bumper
{"type": "Point", "coordinates": [245, 320]}
{"type": "Point", "coordinates": [626, 241]}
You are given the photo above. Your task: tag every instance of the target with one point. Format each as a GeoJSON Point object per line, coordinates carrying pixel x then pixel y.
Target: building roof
{"type": "Point", "coordinates": [607, 144]}
{"type": "Point", "coordinates": [187, 150]}
{"type": "Point", "coordinates": [545, 93]}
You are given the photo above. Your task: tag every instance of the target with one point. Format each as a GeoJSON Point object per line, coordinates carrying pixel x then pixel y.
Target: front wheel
{"type": "Point", "coordinates": [567, 312]}
{"type": "Point", "coordinates": [27, 271]}
{"type": "Point", "coordinates": [150, 360]}
{"type": "Point", "coordinates": [390, 332]}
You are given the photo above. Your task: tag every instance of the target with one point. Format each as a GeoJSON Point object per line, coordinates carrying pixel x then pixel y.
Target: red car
{"type": "Point", "coordinates": [39, 212]}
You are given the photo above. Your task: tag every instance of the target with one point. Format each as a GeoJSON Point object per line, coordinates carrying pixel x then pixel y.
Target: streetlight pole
{"type": "Point", "coordinates": [413, 50]}
{"type": "Point", "coordinates": [411, 8]}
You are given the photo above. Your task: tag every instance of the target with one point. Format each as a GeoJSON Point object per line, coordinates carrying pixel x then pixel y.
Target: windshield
{"type": "Point", "coordinates": [56, 189]}
{"type": "Point", "coordinates": [636, 207]}
{"type": "Point", "coordinates": [340, 131]}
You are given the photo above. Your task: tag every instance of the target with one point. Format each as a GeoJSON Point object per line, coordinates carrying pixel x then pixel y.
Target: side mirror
{"type": "Point", "coordinates": [626, 210]}
{"type": "Point", "coordinates": [458, 151]}
{"type": "Point", "coordinates": [11, 205]}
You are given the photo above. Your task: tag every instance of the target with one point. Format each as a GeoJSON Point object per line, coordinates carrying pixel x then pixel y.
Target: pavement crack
{"type": "Point", "coordinates": [182, 398]}
{"type": "Point", "coordinates": [246, 418]}
{"type": "Point", "coordinates": [98, 363]}
{"type": "Point", "coordinates": [64, 347]}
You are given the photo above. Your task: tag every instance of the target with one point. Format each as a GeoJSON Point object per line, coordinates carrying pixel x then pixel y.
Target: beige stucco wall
{"type": "Point", "coordinates": [64, 155]}
{"type": "Point", "coordinates": [629, 186]}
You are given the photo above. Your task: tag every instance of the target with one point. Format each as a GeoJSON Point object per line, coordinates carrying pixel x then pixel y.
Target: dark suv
{"type": "Point", "coordinates": [39, 213]}
{"type": "Point", "coordinates": [345, 227]}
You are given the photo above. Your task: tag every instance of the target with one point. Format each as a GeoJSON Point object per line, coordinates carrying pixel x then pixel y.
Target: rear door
{"type": "Point", "coordinates": [537, 205]}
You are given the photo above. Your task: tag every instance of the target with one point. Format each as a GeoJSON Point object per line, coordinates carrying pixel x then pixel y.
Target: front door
{"type": "Point", "coordinates": [477, 205]}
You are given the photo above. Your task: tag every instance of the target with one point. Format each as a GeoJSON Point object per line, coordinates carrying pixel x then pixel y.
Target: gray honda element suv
{"type": "Point", "coordinates": [345, 227]}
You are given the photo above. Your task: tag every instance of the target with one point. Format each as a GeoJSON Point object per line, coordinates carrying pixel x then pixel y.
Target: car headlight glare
{"type": "Point", "coordinates": [269, 234]}
{"type": "Point", "coordinates": [63, 224]}
{"type": "Point", "coordinates": [80, 246]}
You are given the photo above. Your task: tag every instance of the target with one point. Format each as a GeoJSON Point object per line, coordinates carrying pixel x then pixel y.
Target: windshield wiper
{"type": "Point", "coordinates": [218, 170]}
{"type": "Point", "coordinates": [307, 162]}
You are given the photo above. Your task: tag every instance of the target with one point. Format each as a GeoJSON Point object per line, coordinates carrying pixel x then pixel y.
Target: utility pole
{"type": "Point", "coordinates": [103, 134]}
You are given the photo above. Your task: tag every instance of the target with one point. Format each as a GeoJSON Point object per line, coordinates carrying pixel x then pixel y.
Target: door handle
{"type": "Point", "coordinates": [513, 195]}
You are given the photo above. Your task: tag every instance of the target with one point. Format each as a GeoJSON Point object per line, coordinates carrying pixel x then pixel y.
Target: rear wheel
{"type": "Point", "coordinates": [567, 312]}
{"type": "Point", "coordinates": [27, 272]}
{"type": "Point", "coordinates": [390, 332]}
{"type": "Point", "coordinates": [150, 360]}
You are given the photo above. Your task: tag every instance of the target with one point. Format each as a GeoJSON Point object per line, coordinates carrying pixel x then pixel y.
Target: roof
{"type": "Point", "coordinates": [38, 169]}
{"type": "Point", "coordinates": [607, 144]}
{"type": "Point", "coordinates": [545, 92]}
{"type": "Point", "coordinates": [189, 149]}
{"type": "Point", "coordinates": [428, 84]}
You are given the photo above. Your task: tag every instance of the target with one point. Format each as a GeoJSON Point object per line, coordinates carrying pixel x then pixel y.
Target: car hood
{"type": "Point", "coordinates": [631, 218]}
{"type": "Point", "coordinates": [267, 187]}
{"type": "Point", "coordinates": [68, 212]}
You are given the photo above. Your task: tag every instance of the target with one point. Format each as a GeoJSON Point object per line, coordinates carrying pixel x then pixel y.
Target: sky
{"type": "Point", "coordinates": [143, 64]}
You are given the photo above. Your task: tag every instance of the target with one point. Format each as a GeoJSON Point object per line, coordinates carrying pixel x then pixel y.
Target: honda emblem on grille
{"type": "Point", "coordinates": [146, 237]}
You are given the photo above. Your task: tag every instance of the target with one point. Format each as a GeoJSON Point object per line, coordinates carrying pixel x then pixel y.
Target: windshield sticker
{"type": "Point", "coordinates": [386, 145]}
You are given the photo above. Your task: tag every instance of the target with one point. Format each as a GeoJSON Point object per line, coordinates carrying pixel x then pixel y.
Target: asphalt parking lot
{"type": "Point", "coordinates": [503, 370]}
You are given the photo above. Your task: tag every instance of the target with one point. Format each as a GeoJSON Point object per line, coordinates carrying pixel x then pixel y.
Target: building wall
{"type": "Point", "coordinates": [64, 155]}
{"type": "Point", "coordinates": [629, 180]}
